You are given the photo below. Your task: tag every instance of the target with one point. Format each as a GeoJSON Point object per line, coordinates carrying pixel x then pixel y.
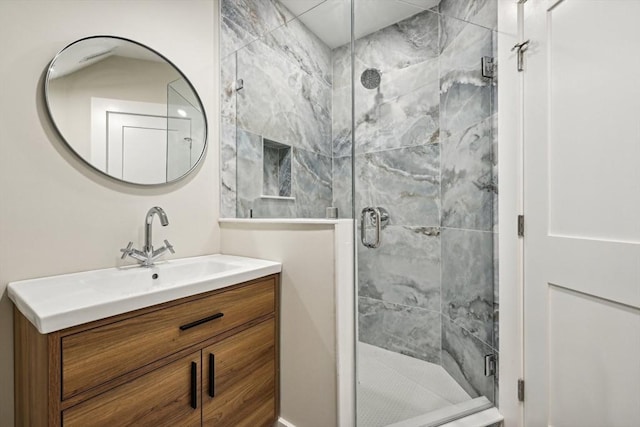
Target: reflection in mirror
{"type": "Point", "coordinates": [126, 110]}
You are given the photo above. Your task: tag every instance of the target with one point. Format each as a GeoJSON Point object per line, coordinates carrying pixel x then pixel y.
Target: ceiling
{"type": "Point", "coordinates": [330, 19]}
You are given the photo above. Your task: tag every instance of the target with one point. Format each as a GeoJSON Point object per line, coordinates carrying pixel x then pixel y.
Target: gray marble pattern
{"type": "Point", "coordinates": [404, 181]}
{"type": "Point", "coordinates": [228, 167]}
{"type": "Point", "coordinates": [342, 188]}
{"type": "Point", "coordinates": [465, 95]}
{"type": "Point", "coordinates": [284, 172]}
{"type": "Point", "coordinates": [479, 12]}
{"type": "Point", "coordinates": [270, 171]}
{"type": "Point", "coordinates": [405, 269]}
{"type": "Point", "coordinates": [408, 120]}
{"type": "Point", "coordinates": [281, 102]}
{"type": "Point", "coordinates": [228, 170]}
{"type": "Point", "coordinates": [294, 42]}
{"type": "Point", "coordinates": [411, 331]}
{"type": "Point", "coordinates": [250, 170]}
{"type": "Point", "coordinates": [399, 47]}
{"type": "Point", "coordinates": [463, 358]}
{"type": "Point", "coordinates": [312, 186]}
{"type": "Point", "coordinates": [467, 280]}
{"type": "Point", "coordinates": [243, 21]}
{"type": "Point", "coordinates": [468, 189]}
{"type": "Point", "coordinates": [341, 122]}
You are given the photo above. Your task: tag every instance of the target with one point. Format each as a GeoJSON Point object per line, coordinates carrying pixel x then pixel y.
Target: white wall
{"type": "Point", "coordinates": [308, 383]}
{"type": "Point", "coordinates": [58, 215]}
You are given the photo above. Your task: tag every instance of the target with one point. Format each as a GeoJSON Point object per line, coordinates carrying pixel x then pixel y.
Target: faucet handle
{"type": "Point", "coordinates": [126, 251]}
{"type": "Point", "coordinates": [169, 246]}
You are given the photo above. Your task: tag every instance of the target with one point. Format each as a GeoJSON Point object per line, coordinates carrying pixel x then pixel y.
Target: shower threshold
{"type": "Point", "coordinates": [395, 390]}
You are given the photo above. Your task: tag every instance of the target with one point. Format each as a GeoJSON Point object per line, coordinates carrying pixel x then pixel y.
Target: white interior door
{"type": "Point", "coordinates": [582, 212]}
{"type": "Point", "coordinates": [137, 147]}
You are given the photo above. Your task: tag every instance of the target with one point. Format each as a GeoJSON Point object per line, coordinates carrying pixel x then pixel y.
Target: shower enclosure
{"type": "Point", "coordinates": [385, 110]}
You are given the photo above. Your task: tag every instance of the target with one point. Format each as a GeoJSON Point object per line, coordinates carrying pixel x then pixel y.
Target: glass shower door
{"type": "Point", "coordinates": [423, 157]}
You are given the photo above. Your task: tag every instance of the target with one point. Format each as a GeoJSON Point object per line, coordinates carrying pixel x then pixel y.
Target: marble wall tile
{"type": "Point", "coordinates": [409, 42]}
{"type": "Point", "coordinates": [463, 358]}
{"type": "Point", "coordinates": [480, 12]}
{"type": "Point", "coordinates": [461, 106]}
{"type": "Point", "coordinates": [341, 121]}
{"type": "Point", "coordinates": [404, 181]}
{"type": "Point", "coordinates": [296, 43]}
{"type": "Point", "coordinates": [249, 167]}
{"type": "Point", "coordinates": [494, 170]}
{"type": "Point", "coordinates": [468, 190]}
{"type": "Point", "coordinates": [227, 170]}
{"type": "Point", "coordinates": [311, 183]}
{"type": "Point", "coordinates": [284, 173]}
{"type": "Point", "coordinates": [467, 280]}
{"type": "Point", "coordinates": [462, 51]}
{"type": "Point", "coordinates": [243, 21]}
{"type": "Point", "coordinates": [466, 96]}
{"type": "Point", "coordinates": [341, 66]}
{"type": "Point", "coordinates": [411, 331]}
{"type": "Point", "coordinates": [270, 171]}
{"type": "Point", "coordinates": [408, 120]}
{"type": "Point", "coordinates": [405, 269]}
{"type": "Point", "coordinates": [495, 343]}
{"type": "Point", "coordinates": [405, 53]}
{"type": "Point", "coordinates": [227, 138]}
{"type": "Point", "coordinates": [281, 102]}
{"type": "Point", "coordinates": [342, 192]}
{"type": "Point", "coordinates": [268, 208]}
{"type": "Point", "coordinates": [227, 92]}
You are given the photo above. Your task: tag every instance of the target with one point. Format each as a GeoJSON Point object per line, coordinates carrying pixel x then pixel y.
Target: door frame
{"type": "Point", "coordinates": [510, 205]}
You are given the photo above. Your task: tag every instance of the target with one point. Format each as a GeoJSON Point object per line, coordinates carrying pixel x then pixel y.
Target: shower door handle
{"type": "Point", "coordinates": [378, 217]}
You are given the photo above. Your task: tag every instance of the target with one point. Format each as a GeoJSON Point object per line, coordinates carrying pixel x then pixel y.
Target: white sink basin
{"type": "Point", "coordinates": [59, 302]}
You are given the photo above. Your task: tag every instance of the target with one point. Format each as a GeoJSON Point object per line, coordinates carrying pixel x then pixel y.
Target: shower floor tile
{"type": "Point", "coordinates": [393, 387]}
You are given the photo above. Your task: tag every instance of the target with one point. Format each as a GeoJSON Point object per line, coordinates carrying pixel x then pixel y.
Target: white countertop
{"type": "Point", "coordinates": [59, 302]}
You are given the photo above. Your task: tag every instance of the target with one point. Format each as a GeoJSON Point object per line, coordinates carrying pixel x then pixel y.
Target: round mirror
{"type": "Point", "coordinates": [126, 110]}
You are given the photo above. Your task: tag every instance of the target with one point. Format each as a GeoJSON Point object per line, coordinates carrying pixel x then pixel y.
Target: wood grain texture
{"type": "Point", "coordinates": [162, 397]}
{"type": "Point", "coordinates": [135, 313]}
{"type": "Point", "coordinates": [245, 381]}
{"type": "Point", "coordinates": [98, 355]}
{"type": "Point", "coordinates": [132, 375]}
{"type": "Point", "coordinates": [146, 393]}
{"type": "Point", "coordinates": [36, 371]}
{"type": "Point", "coordinates": [31, 365]}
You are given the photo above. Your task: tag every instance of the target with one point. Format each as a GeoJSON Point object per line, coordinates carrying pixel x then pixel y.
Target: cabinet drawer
{"type": "Point", "coordinates": [94, 356]}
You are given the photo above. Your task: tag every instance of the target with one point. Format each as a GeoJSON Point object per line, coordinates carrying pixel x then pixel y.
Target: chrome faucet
{"type": "Point", "coordinates": [148, 255]}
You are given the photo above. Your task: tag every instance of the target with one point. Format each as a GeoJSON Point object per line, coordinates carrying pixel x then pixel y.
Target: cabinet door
{"type": "Point", "coordinates": [168, 396]}
{"type": "Point", "coordinates": [239, 379]}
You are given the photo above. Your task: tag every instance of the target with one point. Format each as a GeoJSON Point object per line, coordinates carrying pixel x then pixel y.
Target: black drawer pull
{"type": "Point", "coordinates": [201, 321]}
{"type": "Point", "coordinates": [212, 375]}
{"type": "Point", "coordinates": [194, 385]}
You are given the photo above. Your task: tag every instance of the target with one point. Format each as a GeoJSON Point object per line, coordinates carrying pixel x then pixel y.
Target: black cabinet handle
{"type": "Point", "coordinates": [194, 385]}
{"type": "Point", "coordinates": [212, 375]}
{"type": "Point", "coordinates": [201, 321]}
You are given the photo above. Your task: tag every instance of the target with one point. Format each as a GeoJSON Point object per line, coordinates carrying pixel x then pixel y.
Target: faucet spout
{"type": "Point", "coordinates": [148, 226]}
{"type": "Point", "coordinates": [148, 255]}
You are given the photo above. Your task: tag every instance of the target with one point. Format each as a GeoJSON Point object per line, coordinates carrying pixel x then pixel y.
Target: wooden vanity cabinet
{"type": "Point", "coordinates": [239, 379]}
{"type": "Point", "coordinates": [209, 359]}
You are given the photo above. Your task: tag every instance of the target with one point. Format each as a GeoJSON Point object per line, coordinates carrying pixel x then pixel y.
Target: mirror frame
{"type": "Point", "coordinates": [85, 161]}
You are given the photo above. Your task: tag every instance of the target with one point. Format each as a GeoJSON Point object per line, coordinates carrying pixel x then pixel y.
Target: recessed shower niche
{"type": "Point", "coordinates": [276, 169]}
